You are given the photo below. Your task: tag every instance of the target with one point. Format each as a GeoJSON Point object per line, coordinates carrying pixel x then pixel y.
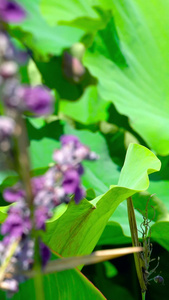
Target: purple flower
{"type": "Point", "coordinates": [41, 215]}
{"type": "Point", "coordinates": [17, 223]}
{"type": "Point", "coordinates": [79, 151]}
{"type": "Point", "coordinates": [67, 139]}
{"type": "Point", "coordinates": [24, 256]}
{"type": "Point", "coordinates": [79, 194]}
{"type": "Point", "coordinates": [37, 99]}
{"type": "Point", "coordinates": [38, 184]}
{"type": "Point", "coordinates": [10, 11]}
{"type": "Point", "coordinates": [13, 194]}
{"type": "Point", "coordinates": [80, 169]}
{"type": "Point", "coordinates": [45, 254]}
{"type": "Point", "coordinates": [71, 181]}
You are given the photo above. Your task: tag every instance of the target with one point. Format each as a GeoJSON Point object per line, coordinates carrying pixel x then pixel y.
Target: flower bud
{"type": "Point", "coordinates": [159, 279]}
{"type": "Point", "coordinates": [72, 67]}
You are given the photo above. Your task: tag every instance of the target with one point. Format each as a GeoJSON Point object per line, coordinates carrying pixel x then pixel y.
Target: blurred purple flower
{"type": "Point", "coordinates": [13, 194]}
{"type": "Point", "coordinates": [10, 11]}
{"type": "Point", "coordinates": [67, 139]}
{"type": "Point", "coordinates": [17, 223]}
{"type": "Point", "coordinates": [45, 254]}
{"type": "Point", "coordinates": [38, 184]}
{"type": "Point", "coordinates": [37, 99]}
{"type": "Point", "coordinates": [80, 169]}
{"type": "Point", "coordinates": [71, 181]}
{"type": "Point", "coordinates": [79, 194]}
{"type": "Point", "coordinates": [41, 215]}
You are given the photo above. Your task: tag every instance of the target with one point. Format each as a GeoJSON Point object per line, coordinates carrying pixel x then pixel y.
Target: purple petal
{"type": "Point", "coordinates": [41, 215]}
{"type": "Point", "coordinates": [80, 169]}
{"type": "Point", "coordinates": [38, 184]}
{"type": "Point", "coordinates": [38, 100]}
{"type": "Point", "coordinates": [12, 223]}
{"type": "Point", "coordinates": [10, 11]}
{"type": "Point", "coordinates": [81, 152]}
{"type": "Point", "coordinates": [66, 139]}
{"type": "Point", "coordinates": [79, 194]}
{"type": "Point", "coordinates": [71, 181]}
{"type": "Point", "coordinates": [13, 195]}
{"type": "Point", "coordinates": [45, 254]}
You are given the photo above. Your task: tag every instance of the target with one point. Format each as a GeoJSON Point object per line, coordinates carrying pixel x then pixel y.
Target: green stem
{"type": "Point", "coordinates": [23, 166]}
{"type": "Point", "coordinates": [38, 279]}
{"type": "Point", "coordinates": [135, 242]}
{"type": "Point", "coordinates": [143, 296]}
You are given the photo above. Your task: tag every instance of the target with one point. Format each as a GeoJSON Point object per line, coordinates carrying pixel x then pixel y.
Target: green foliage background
{"type": "Point", "coordinates": [122, 98]}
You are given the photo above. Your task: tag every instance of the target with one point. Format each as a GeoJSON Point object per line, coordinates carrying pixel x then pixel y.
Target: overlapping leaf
{"type": "Point", "coordinates": [78, 230]}
{"type": "Point", "coordinates": [39, 36]}
{"type": "Point", "coordinates": [139, 88]}
{"type": "Point", "coordinates": [70, 284]}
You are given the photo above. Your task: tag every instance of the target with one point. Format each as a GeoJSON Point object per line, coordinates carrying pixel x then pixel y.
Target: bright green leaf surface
{"type": "Point", "coordinates": [37, 35]}
{"type": "Point", "coordinates": [79, 228]}
{"type": "Point", "coordinates": [139, 89]}
{"type": "Point", "coordinates": [94, 108]}
{"type": "Point", "coordinates": [55, 10]}
{"type": "Point", "coordinates": [42, 151]}
{"type": "Point", "coordinates": [159, 233]}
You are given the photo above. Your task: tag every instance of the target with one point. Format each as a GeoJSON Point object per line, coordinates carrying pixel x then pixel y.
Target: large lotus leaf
{"type": "Point", "coordinates": [94, 108]}
{"type": "Point", "coordinates": [159, 232]}
{"type": "Point", "coordinates": [42, 158]}
{"type": "Point", "coordinates": [140, 88]}
{"type": "Point", "coordinates": [39, 36]}
{"type": "Point", "coordinates": [79, 228]}
{"type": "Point", "coordinates": [79, 14]}
{"type": "Point", "coordinates": [70, 284]}
{"type": "Point", "coordinates": [58, 11]}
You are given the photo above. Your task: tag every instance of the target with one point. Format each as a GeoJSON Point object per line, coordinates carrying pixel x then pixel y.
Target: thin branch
{"type": "Point", "coordinates": [72, 262]}
{"type": "Point", "coordinates": [139, 263]}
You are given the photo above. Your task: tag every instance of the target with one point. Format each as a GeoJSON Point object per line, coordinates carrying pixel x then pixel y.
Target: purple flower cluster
{"type": "Point", "coordinates": [49, 191]}
{"type": "Point", "coordinates": [10, 11]}
{"type": "Point", "coordinates": [56, 186]}
{"type": "Point", "coordinates": [35, 100]}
